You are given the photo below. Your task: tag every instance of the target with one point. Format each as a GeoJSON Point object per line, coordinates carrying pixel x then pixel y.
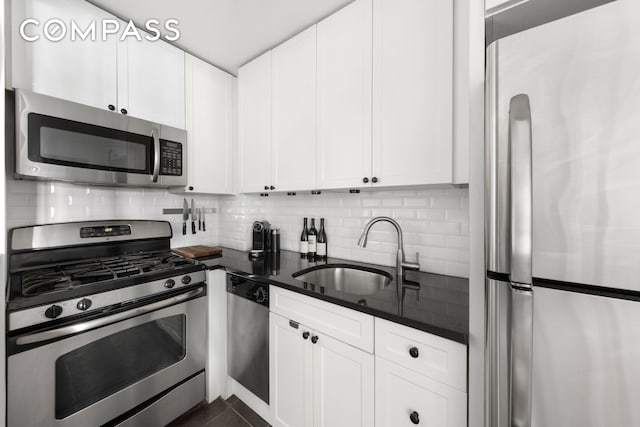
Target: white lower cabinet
{"type": "Point", "coordinates": [405, 399]}
{"type": "Point", "coordinates": [316, 380]}
{"type": "Point", "coordinates": [290, 376]}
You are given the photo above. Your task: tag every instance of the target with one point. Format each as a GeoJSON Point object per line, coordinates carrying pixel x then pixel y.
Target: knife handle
{"type": "Point", "coordinates": [193, 227]}
{"type": "Point", "coordinates": [184, 228]}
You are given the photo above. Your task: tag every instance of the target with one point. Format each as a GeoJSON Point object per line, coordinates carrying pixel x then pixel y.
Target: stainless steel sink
{"type": "Point", "coordinates": [347, 278]}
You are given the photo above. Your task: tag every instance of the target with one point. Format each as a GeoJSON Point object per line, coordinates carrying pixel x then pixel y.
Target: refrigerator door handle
{"type": "Point", "coordinates": [521, 357]}
{"type": "Point", "coordinates": [521, 318]}
{"type": "Point", "coordinates": [521, 191]}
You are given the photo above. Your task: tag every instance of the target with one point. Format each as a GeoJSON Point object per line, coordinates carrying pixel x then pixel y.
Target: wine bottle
{"type": "Point", "coordinates": [322, 242]}
{"type": "Point", "coordinates": [304, 240]}
{"type": "Point", "coordinates": [313, 235]}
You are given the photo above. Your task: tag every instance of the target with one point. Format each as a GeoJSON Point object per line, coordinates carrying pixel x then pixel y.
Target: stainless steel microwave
{"type": "Point", "coordinates": [62, 140]}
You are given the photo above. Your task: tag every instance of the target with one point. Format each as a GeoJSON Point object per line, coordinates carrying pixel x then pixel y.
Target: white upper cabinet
{"type": "Point", "coordinates": [254, 137]}
{"type": "Point", "coordinates": [412, 92]}
{"type": "Point", "coordinates": [293, 134]}
{"type": "Point", "coordinates": [145, 79]}
{"type": "Point", "coordinates": [344, 97]}
{"type": "Point", "coordinates": [151, 82]}
{"type": "Point", "coordinates": [82, 71]}
{"type": "Point", "coordinates": [209, 110]}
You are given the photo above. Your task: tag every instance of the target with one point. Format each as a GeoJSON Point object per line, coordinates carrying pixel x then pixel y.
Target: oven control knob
{"type": "Point", "coordinates": [53, 311]}
{"type": "Point", "coordinates": [84, 304]}
{"type": "Point", "coordinates": [186, 280]}
{"type": "Point", "coordinates": [169, 283]}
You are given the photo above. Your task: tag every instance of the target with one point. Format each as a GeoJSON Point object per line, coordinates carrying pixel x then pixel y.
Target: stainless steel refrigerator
{"type": "Point", "coordinates": [563, 222]}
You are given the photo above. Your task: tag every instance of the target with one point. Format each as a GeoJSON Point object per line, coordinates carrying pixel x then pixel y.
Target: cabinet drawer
{"type": "Point", "coordinates": [438, 358]}
{"type": "Point", "coordinates": [404, 399]}
{"type": "Point", "coordinates": [349, 326]}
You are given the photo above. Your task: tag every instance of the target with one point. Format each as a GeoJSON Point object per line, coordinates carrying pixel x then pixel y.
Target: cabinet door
{"type": "Point", "coordinates": [209, 94]}
{"type": "Point", "coordinates": [343, 392]}
{"type": "Point", "coordinates": [82, 71]}
{"type": "Point", "coordinates": [254, 138]}
{"type": "Point", "coordinates": [412, 91]}
{"type": "Point", "coordinates": [294, 113]}
{"type": "Point", "coordinates": [151, 83]}
{"type": "Point", "coordinates": [404, 397]}
{"type": "Point", "coordinates": [290, 374]}
{"type": "Point", "coordinates": [344, 97]}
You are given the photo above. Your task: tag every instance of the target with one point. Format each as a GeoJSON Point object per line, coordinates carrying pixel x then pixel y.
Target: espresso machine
{"type": "Point", "coordinates": [261, 231]}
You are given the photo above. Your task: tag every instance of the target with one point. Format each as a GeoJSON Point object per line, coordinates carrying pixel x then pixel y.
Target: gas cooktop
{"type": "Point", "coordinates": [59, 262]}
{"type": "Point", "coordinates": [60, 277]}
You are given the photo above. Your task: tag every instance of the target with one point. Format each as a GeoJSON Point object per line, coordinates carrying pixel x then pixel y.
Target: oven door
{"type": "Point", "coordinates": [62, 140]}
{"type": "Point", "coordinates": [95, 376]}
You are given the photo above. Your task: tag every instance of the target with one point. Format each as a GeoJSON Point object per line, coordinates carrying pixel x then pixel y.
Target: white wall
{"type": "Point", "coordinates": [40, 202]}
{"type": "Point", "coordinates": [435, 223]}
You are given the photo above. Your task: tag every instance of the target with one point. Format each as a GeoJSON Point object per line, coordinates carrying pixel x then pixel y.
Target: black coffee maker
{"type": "Point", "coordinates": [261, 239]}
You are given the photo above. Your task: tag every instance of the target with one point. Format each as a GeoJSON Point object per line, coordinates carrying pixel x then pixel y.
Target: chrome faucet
{"type": "Point", "coordinates": [401, 264]}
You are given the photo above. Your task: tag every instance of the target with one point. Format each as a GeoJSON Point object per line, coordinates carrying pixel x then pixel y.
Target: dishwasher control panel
{"type": "Point", "coordinates": [248, 289]}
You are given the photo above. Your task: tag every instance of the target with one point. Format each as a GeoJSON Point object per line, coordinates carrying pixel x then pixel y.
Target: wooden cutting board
{"type": "Point", "coordinates": [197, 251]}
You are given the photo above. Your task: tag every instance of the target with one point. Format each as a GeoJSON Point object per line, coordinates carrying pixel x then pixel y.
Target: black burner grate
{"type": "Point", "coordinates": [64, 276]}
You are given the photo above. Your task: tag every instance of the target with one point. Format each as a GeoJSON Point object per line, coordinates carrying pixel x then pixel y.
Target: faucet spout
{"type": "Point", "coordinates": [401, 264]}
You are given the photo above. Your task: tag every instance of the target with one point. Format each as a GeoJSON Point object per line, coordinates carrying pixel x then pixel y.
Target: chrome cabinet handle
{"type": "Point", "coordinates": [103, 321]}
{"type": "Point", "coordinates": [156, 155]}
{"type": "Point", "coordinates": [521, 328]}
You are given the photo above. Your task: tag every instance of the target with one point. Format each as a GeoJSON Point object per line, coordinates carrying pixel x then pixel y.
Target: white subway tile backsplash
{"type": "Point", "coordinates": [38, 202]}
{"type": "Point", "coordinates": [434, 222]}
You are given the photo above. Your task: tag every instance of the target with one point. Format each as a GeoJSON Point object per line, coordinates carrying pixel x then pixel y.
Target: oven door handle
{"type": "Point", "coordinates": [103, 321]}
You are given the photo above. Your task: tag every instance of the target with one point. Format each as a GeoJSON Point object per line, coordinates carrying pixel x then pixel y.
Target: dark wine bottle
{"type": "Point", "coordinates": [313, 235]}
{"type": "Point", "coordinates": [322, 242]}
{"type": "Point", "coordinates": [304, 240]}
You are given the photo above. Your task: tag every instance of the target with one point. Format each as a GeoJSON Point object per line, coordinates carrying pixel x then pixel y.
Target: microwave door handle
{"type": "Point", "coordinates": [521, 316]}
{"type": "Point", "coordinates": [156, 155]}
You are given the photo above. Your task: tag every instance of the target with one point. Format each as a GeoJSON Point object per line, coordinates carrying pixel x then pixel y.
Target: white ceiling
{"type": "Point", "coordinates": [227, 33]}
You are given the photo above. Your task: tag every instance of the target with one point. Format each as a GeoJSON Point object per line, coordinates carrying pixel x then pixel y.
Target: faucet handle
{"type": "Point", "coordinates": [412, 265]}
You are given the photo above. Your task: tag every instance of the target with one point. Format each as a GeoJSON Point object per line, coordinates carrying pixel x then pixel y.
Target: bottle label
{"type": "Point", "coordinates": [304, 247]}
{"type": "Point", "coordinates": [322, 249]}
{"type": "Point", "coordinates": [312, 244]}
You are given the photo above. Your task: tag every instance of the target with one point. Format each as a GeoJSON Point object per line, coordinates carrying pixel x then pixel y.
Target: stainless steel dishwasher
{"type": "Point", "coordinates": [248, 334]}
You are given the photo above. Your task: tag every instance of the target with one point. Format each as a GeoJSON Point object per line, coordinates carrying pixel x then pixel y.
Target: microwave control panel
{"type": "Point", "coordinates": [170, 158]}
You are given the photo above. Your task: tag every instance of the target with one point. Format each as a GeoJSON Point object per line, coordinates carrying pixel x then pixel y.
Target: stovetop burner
{"type": "Point", "coordinates": [78, 273]}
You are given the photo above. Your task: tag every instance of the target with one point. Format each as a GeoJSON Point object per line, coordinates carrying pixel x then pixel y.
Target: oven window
{"type": "Point", "coordinates": [69, 143]}
{"type": "Point", "coordinates": [103, 367]}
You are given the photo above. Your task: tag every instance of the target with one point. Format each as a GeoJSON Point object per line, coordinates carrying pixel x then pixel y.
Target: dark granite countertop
{"type": "Point", "coordinates": [439, 305]}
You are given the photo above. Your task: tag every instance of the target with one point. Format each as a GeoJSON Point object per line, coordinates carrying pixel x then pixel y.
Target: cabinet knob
{"type": "Point", "coordinates": [374, 179]}
{"type": "Point", "coordinates": [123, 111]}
{"type": "Point", "coordinates": [112, 107]}
{"type": "Point", "coordinates": [314, 339]}
{"type": "Point", "coordinates": [272, 188]}
{"type": "Point", "coordinates": [266, 187]}
{"type": "Point", "coordinates": [413, 352]}
{"type": "Point", "coordinates": [305, 335]}
{"type": "Point", "coordinates": [365, 179]}
{"type": "Point", "coordinates": [191, 188]}
{"type": "Point", "coordinates": [414, 417]}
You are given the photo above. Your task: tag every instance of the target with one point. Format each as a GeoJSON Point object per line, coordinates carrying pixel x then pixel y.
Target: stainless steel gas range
{"type": "Point", "coordinates": [105, 325]}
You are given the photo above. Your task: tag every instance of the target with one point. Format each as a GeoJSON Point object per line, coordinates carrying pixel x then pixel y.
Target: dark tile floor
{"type": "Point", "coordinates": [220, 413]}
